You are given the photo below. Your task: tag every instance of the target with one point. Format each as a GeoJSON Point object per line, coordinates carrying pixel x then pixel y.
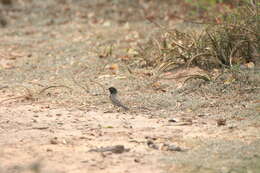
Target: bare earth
{"type": "Point", "coordinates": [57, 60]}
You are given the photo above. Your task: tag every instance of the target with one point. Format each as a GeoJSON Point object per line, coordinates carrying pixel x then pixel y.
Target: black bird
{"type": "Point", "coordinates": [114, 100]}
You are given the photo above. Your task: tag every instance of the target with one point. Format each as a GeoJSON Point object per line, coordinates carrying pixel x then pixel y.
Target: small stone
{"type": "Point", "coordinates": [49, 150]}
{"type": "Point", "coordinates": [172, 121]}
{"type": "Point", "coordinates": [137, 160]}
{"type": "Point", "coordinates": [151, 144]}
{"type": "Point", "coordinates": [171, 147]}
{"type": "Point", "coordinates": [221, 122]}
{"type": "Point", "coordinates": [54, 141]}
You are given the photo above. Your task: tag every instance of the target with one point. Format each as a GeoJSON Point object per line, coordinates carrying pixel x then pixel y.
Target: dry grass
{"type": "Point", "coordinates": [233, 41]}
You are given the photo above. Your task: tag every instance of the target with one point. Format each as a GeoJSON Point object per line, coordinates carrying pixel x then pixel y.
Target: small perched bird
{"type": "Point", "coordinates": [114, 100]}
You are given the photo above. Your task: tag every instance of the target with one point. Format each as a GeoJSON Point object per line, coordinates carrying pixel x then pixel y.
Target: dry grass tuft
{"type": "Point", "coordinates": [235, 40]}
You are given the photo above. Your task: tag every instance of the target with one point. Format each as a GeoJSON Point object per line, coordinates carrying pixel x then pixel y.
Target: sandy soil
{"type": "Point", "coordinates": [57, 58]}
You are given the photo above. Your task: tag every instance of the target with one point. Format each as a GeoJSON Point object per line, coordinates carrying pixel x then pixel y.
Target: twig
{"type": "Point", "coordinates": [102, 86]}
{"type": "Point", "coordinates": [234, 50]}
{"type": "Point", "coordinates": [196, 56]}
{"type": "Point", "coordinates": [3, 87]}
{"type": "Point", "coordinates": [28, 96]}
{"type": "Point", "coordinates": [54, 87]}
{"type": "Point", "coordinates": [85, 89]}
{"type": "Point", "coordinates": [159, 46]}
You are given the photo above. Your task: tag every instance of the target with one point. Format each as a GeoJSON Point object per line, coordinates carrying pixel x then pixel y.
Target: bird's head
{"type": "Point", "coordinates": [112, 90]}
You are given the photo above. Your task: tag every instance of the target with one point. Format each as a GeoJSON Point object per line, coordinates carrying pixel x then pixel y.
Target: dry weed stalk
{"type": "Point", "coordinates": [27, 96]}
{"type": "Point", "coordinates": [49, 87]}
{"type": "Point", "coordinates": [32, 96]}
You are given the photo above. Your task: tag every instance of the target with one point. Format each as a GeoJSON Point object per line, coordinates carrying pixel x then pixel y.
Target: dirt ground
{"type": "Point", "coordinates": [57, 59]}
